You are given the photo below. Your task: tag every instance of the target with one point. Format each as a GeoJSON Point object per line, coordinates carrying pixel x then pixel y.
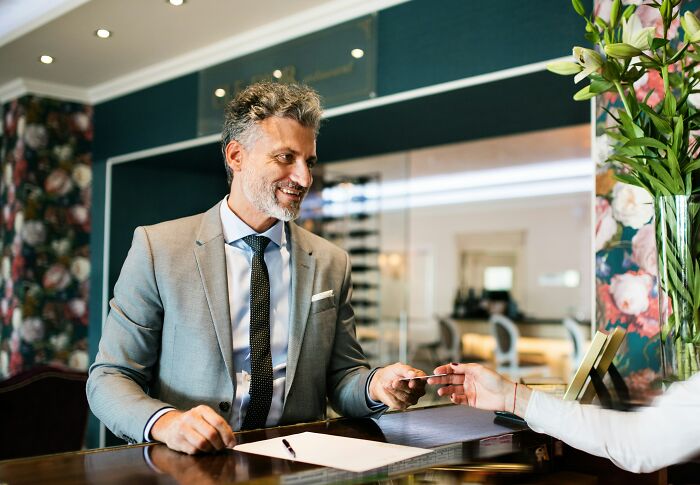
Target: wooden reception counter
{"type": "Point", "coordinates": [469, 447]}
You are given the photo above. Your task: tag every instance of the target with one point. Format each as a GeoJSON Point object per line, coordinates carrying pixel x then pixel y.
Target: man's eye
{"type": "Point", "coordinates": [285, 157]}
{"type": "Point", "coordinates": [311, 163]}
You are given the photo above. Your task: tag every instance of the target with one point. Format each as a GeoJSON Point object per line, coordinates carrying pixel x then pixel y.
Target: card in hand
{"type": "Point", "coordinates": [422, 377]}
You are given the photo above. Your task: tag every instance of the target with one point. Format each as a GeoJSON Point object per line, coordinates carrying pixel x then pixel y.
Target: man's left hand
{"type": "Point", "coordinates": [387, 387]}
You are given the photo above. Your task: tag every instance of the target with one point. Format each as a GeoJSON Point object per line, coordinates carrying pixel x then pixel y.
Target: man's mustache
{"type": "Point", "coordinates": [292, 186]}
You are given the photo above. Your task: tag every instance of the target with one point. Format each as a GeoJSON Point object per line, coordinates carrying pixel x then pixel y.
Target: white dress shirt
{"type": "Point", "coordinates": [640, 441]}
{"type": "Point", "coordinates": [239, 258]}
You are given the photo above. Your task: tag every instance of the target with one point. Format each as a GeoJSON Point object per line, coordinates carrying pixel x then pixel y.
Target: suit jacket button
{"type": "Point", "coordinates": [224, 406]}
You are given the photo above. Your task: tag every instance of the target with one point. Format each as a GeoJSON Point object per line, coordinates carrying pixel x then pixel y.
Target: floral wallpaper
{"type": "Point", "coordinates": [45, 196]}
{"type": "Point", "coordinates": [626, 258]}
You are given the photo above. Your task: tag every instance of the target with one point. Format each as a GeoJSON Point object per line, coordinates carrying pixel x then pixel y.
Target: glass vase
{"type": "Point", "coordinates": [677, 225]}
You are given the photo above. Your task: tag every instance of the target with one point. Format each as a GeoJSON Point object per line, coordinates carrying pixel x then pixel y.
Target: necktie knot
{"type": "Point", "coordinates": [257, 243]}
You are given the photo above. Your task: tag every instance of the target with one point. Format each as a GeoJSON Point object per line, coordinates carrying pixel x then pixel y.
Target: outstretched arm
{"type": "Point", "coordinates": [639, 441]}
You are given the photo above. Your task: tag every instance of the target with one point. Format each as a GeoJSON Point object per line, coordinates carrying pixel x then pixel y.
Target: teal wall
{"type": "Point", "coordinates": [427, 42]}
{"type": "Point", "coordinates": [420, 43]}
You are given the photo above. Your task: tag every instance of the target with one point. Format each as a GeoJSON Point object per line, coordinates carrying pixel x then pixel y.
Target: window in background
{"type": "Point", "coordinates": [498, 278]}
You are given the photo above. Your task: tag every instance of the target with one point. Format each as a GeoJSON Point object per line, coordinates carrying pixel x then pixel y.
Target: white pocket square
{"type": "Point", "coordinates": [322, 295]}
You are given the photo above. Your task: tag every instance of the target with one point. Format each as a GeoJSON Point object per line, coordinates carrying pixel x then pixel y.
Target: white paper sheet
{"type": "Point", "coordinates": [349, 454]}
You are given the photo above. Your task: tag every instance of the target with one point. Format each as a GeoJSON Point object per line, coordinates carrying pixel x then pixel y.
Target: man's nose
{"type": "Point", "coordinates": [301, 174]}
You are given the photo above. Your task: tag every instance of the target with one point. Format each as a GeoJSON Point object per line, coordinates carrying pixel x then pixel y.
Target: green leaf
{"type": "Point", "coordinates": [675, 171]}
{"type": "Point", "coordinates": [663, 174]}
{"type": "Point", "coordinates": [630, 179]}
{"type": "Point", "coordinates": [694, 165]}
{"type": "Point", "coordinates": [678, 54]}
{"type": "Point", "coordinates": [584, 94]}
{"type": "Point", "coordinates": [647, 142]}
{"type": "Point", "coordinates": [696, 287]}
{"type": "Point", "coordinates": [678, 285]}
{"type": "Point", "coordinates": [598, 87]}
{"type": "Point", "coordinates": [648, 64]}
{"type": "Point", "coordinates": [669, 104]}
{"type": "Point", "coordinates": [677, 134]}
{"type": "Point", "coordinates": [613, 116]}
{"type": "Point", "coordinates": [661, 124]}
{"type": "Point", "coordinates": [629, 126]}
{"type": "Point", "coordinates": [657, 188]}
{"type": "Point", "coordinates": [658, 43]}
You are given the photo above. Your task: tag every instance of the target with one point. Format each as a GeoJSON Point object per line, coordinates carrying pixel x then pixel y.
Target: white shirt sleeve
{"type": "Point", "coordinates": [643, 440]}
{"type": "Point", "coordinates": [151, 422]}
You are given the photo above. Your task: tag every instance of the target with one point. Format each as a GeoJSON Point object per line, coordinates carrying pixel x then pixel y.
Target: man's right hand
{"type": "Point", "coordinates": [198, 430]}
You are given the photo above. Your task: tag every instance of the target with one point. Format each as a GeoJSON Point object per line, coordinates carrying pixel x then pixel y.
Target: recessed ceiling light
{"type": "Point", "coordinates": [103, 33]}
{"type": "Point", "coordinates": [220, 93]}
{"type": "Point", "coordinates": [357, 53]}
{"type": "Point", "coordinates": [277, 73]}
{"type": "Point", "coordinates": [45, 59]}
{"type": "Point", "coordinates": [176, 3]}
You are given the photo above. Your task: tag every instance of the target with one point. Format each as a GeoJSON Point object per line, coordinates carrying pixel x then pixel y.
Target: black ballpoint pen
{"type": "Point", "coordinates": [289, 447]}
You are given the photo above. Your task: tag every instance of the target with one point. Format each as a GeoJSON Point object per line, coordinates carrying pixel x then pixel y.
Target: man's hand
{"type": "Point", "coordinates": [198, 430]}
{"type": "Point", "coordinates": [386, 387]}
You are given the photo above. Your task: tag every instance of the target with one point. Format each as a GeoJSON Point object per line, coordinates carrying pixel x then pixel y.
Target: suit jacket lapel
{"type": "Point", "coordinates": [302, 275]}
{"type": "Point", "coordinates": [210, 253]}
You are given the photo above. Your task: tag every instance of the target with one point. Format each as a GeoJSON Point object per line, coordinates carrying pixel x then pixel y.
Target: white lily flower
{"type": "Point", "coordinates": [635, 35]}
{"type": "Point", "coordinates": [589, 59]}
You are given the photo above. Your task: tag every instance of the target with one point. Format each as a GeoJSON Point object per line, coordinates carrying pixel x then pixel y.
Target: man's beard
{"type": "Point", "coordinates": [261, 194]}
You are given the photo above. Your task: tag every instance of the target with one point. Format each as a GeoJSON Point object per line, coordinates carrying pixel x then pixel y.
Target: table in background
{"type": "Point", "coordinates": [546, 337]}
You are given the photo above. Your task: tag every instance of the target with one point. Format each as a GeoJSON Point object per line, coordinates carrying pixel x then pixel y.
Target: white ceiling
{"type": "Point", "coordinates": [152, 41]}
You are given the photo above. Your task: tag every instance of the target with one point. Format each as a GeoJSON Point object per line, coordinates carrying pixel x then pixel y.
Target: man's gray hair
{"type": "Point", "coordinates": [263, 100]}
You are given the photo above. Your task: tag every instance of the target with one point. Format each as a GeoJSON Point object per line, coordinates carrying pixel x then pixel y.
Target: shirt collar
{"type": "Point", "coordinates": [235, 229]}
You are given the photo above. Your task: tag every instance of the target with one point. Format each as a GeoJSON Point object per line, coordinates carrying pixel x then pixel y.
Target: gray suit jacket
{"type": "Point", "coordinates": [167, 340]}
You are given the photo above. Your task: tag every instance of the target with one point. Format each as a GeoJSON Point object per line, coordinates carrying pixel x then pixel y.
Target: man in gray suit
{"type": "Point", "coordinates": [237, 318]}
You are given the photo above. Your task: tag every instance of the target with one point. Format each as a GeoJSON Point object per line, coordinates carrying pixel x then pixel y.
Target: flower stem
{"type": "Point", "coordinates": [621, 90]}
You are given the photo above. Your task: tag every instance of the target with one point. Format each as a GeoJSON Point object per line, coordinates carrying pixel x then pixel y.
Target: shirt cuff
{"type": "Point", "coordinates": [371, 403]}
{"type": "Point", "coordinates": [152, 421]}
{"type": "Point", "coordinates": [149, 462]}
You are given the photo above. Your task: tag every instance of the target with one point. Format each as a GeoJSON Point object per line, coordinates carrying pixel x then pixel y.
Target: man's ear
{"type": "Point", "coordinates": [234, 155]}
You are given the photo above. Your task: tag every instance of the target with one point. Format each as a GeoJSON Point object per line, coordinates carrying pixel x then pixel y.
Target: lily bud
{"type": "Point", "coordinates": [690, 24]}
{"type": "Point", "coordinates": [578, 6]}
{"type": "Point", "coordinates": [622, 51]}
{"type": "Point", "coordinates": [584, 94]}
{"type": "Point", "coordinates": [665, 9]}
{"type": "Point", "coordinates": [629, 11]}
{"type": "Point", "coordinates": [615, 13]}
{"type": "Point", "coordinates": [565, 68]}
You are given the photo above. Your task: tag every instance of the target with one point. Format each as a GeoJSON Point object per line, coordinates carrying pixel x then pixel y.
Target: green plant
{"type": "Point", "coordinates": [654, 146]}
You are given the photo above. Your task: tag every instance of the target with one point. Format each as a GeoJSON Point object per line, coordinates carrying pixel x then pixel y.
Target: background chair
{"type": "Point", "coordinates": [438, 337]}
{"type": "Point", "coordinates": [578, 341]}
{"type": "Point", "coordinates": [508, 362]}
{"type": "Point", "coordinates": [43, 410]}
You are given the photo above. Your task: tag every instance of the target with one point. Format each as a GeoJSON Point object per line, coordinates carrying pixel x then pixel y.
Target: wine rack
{"type": "Point", "coordinates": [351, 220]}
